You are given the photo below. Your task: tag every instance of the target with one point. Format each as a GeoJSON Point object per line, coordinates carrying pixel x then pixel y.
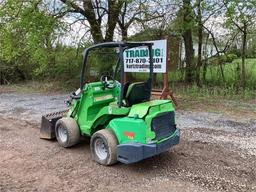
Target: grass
{"type": "Point", "coordinates": [230, 73]}
{"type": "Point", "coordinates": [240, 105]}
{"type": "Point", "coordinates": [213, 75]}
{"type": "Point", "coordinates": [214, 92]}
{"type": "Point", "coordinates": [214, 86]}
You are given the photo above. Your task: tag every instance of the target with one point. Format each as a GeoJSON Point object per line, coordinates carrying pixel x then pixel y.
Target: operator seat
{"type": "Point", "coordinates": [137, 92]}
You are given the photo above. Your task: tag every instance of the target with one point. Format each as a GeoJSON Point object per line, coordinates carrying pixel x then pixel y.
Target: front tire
{"type": "Point", "coordinates": [104, 147]}
{"type": "Point", "coordinates": [67, 132]}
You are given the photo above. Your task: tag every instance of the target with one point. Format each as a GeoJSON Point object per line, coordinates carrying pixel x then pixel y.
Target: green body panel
{"type": "Point", "coordinates": [97, 109]}
{"type": "Point", "coordinates": [137, 126]}
{"type": "Point", "coordinates": [129, 129]}
{"type": "Point", "coordinates": [141, 109]}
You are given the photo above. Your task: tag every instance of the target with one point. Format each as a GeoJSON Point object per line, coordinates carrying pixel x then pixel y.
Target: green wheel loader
{"type": "Point", "coordinates": [122, 121]}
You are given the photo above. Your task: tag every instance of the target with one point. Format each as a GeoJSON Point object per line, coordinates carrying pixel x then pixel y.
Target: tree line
{"type": "Point", "coordinates": [33, 33]}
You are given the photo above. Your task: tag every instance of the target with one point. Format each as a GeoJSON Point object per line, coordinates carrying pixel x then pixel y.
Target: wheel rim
{"type": "Point", "coordinates": [100, 149]}
{"type": "Point", "coordinates": [63, 134]}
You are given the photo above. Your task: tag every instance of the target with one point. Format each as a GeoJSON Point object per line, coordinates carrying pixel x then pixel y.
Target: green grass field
{"type": "Point", "coordinates": [230, 72]}
{"type": "Point", "coordinates": [214, 84]}
{"type": "Point", "coordinates": [213, 76]}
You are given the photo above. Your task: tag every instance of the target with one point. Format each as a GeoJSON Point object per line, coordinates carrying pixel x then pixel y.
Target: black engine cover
{"type": "Point", "coordinates": [163, 125]}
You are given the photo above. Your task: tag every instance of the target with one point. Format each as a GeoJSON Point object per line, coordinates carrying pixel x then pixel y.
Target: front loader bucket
{"type": "Point", "coordinates": [48, 122]}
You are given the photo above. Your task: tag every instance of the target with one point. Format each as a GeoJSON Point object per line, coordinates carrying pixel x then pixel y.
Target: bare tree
{"type": "Point", "coordinates": [97, 13]}
{"type": "Point", "coordinates": [242, 15]}
{"type": "Point", "coordinates": [226, 45]}
{"type": "Point", "coordinates": [140, 12]}
{"type": "Point", "coordinates": [204, 10]}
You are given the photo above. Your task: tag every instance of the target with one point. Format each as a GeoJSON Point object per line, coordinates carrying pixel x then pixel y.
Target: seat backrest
{"type": "Point", "coordinates": [137, 92]}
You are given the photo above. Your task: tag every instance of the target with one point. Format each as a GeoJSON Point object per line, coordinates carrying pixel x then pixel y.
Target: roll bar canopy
{"type": "Point", "coordinates": [122, 46]}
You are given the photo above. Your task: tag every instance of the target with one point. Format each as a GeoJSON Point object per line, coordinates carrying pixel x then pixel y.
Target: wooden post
{"type": "Point", "coordinates": [166, 92]}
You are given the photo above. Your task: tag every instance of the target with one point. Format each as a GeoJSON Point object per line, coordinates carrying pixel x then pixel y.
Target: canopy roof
{"type": "Point", "coordinates": [118, 44]}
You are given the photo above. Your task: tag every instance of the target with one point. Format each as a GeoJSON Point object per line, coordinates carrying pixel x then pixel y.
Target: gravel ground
{"type": "Point", "coordinates": [216, 153]}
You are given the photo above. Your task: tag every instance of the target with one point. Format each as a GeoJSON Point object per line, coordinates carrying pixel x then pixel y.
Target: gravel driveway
{"type": "Point", "coordinates": [216, 153]}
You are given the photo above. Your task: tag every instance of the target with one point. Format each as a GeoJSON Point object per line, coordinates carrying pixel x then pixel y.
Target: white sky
{"type": "Point", "coordinates": [78, 30]}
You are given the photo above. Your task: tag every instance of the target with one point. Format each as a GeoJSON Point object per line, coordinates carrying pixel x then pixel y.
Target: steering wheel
{"type": "Point", "coordinates": [104, 79]}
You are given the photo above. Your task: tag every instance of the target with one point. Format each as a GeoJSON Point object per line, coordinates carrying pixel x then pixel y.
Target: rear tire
{"type": "Point", "coordinates": [67, 132]}
{"type": "Point", "coordinates": [104, 147]}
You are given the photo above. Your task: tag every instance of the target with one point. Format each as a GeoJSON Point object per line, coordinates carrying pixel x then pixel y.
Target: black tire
{"type": "Point", "coordinates": [110, 142]}
{"type": "Point", "coordinates": [71, 129]}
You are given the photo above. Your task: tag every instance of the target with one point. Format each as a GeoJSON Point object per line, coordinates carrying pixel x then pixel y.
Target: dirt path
{"type": "Point", "coordinates": [216, 153]}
